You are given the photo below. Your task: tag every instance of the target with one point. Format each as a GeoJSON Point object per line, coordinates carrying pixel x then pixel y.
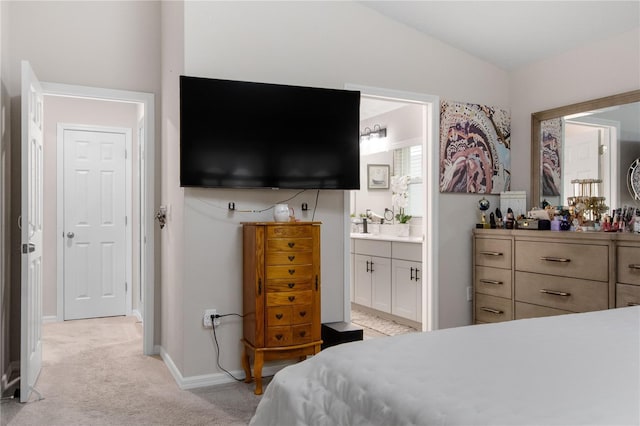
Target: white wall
{"type": "Point", "coordinates": [599, 69]}
{"type": "Point", "coordinates": [170, 319]}
{"type": "Point", "coordinates": [322, 44]}
{"type": "Point", "coordinates": [59, 109]}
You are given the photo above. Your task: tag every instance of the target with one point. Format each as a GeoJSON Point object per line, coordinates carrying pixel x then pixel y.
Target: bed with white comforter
{"type": "Point", "coordinates": [564, 370]}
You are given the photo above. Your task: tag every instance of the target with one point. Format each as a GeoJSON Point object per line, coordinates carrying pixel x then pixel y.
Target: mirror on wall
{"type": "Point", "coordinates": [400, 149]}
{"type": "Point", "coordinates": [593, 140]}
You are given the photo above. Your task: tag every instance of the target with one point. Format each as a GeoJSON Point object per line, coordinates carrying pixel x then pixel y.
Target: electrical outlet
{"type": "Point", "coordinates": [469, 294]}
{"type": "Point", "coordinates": [206, 319]}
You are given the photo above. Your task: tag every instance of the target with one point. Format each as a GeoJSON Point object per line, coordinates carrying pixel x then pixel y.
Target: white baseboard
{"type": "Point", "coordinates": [136, 313]}
{"type": "Point", "coordinates": [49, 318]}
{"type": "Point", "coordinates": [205, 380]}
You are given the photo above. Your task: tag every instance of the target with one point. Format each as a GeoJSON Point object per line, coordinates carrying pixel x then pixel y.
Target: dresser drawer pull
{"type": "Point", "coordinates": [291, 285]}
{"type": "Point", "coordinates": [279, 316]}
{"type": "Point", "coordinates": [292, 298]}
{"type": "Point", "coordinates": [555, 292]}
{"type": "Point", "coordinates": [303, 313]}
{"type": "Point", "coordinates": [291, 245]}
{"type": "Point", "coordinates": [485, 281]}
{"type": "Point", "coordinates": [492, 311]}
{"type": "Point", "coordinates": [303, 333]}
{"type": "Point", "coordinates": [291, 258]}
{"type": "Point", "coordinates": [634, 266]}
{"type": "Point", "coordinates": [491, 253]}
{"type": "Point", "coordinates": [279, 336]}
{"type": "Point", "coordinates": [633, 304]}
{"type": "Point", "coordinates": [555, 259]}
{"type": "Point", "coordinates": [292, 271]}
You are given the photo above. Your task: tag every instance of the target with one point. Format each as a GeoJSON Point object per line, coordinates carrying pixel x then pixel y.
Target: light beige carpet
{"type": "Point", "coordinates": [94, 373]}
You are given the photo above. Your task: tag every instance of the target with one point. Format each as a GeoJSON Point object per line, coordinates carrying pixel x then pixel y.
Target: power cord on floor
{"type": "Point", "coordinates": [215, 339]}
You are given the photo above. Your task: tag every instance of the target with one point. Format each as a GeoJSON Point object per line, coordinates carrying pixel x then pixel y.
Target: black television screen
{"type": "Point", "coordinates": [236, 134]}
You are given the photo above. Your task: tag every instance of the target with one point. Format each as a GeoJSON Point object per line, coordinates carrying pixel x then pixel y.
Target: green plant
{"type": "Point", "coordinates": [403, 218]}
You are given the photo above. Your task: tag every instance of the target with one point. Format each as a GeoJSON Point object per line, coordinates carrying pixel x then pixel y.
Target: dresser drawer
{"type": "Point", "coordinates": [289, 271]}
{"type": "Point", "coordinates": [492, 309]}
{"type": "Point", "coordinates": [527, 310]}
{"type": "Point", "coordinates": [493, 252]}
{"type": "Point", "coordinates": [279, 316]}
{"type": "Point", "coordinates": [283, 231]}
{"type": "Point", "coordinates": [301, 334]}
{"type": "Point", "coordinates": [570, 294]}
{"type": "Point", "coordinates": [289, 258]}
{"type": "Point", "coordinates": [289, 244]}
{"type": "Point", "coordinates": [289, 285]}
{"type": "Point", "coordinates": [288, 315]}
{"type": "Point", "coordinates": [627, 295]}
{"type": "Point", "coordinates": [302, 314]}
{"type": "Point", "coordinates": [493, 281]}
{"type": "Point", "coordinates": [289, 298]}
{"type": "Point", "coordinates": [278, 336]}
{"type": "Point", "coordinates": [629, 265]}
{"type": "Point", "coordinates": [563, 259]}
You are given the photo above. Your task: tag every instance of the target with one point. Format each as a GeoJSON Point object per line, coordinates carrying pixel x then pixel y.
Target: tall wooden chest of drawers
{"type": "Point", "coordinates": [281, 293]}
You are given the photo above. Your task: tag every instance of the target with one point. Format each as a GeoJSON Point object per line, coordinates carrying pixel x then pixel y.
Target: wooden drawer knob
{"type": "Point", "coordinates": [292, 298]}
{"type": "Point", "coordinates": [290, 244]}
{"type": "Point", "coordinates": [303, 313]}
{"type": "Point", "coordinates": [279, 336]}
{"type": "Point", "coordinates": [291, 285]}
{"type": "Point", "coordinates": [279, 316]}
{"type": "Point", "coordinates": [291, 258]}
{"type": "Point", "coordinates": [303, 333]}
{"type": "Point", "coordinates": [292, 271]}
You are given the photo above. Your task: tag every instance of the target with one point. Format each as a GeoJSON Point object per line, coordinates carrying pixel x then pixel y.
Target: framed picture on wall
{"type": "Point", "coordinates": [378, 176]}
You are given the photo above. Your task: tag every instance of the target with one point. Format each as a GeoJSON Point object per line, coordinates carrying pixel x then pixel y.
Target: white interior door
{"type": "Point", "coordinates": [31, 233]}
{"type": "Point", "coordinates": [94, 224]}
{"type": "Point", "coordinates": [581, 155]}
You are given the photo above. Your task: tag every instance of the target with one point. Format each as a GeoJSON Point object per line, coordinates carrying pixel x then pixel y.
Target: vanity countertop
{"type": "Point", "coordinates": [385, 237]}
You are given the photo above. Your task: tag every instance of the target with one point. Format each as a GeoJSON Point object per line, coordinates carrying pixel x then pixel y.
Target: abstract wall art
{"type": "Point", "coordinates": [475, 148]}
{"type": "Point", "coordinates": [551, 159]}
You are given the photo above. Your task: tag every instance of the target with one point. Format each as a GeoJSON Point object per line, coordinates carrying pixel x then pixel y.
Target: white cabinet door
{"type": "Point", "coordinates": [380, 283]}
{"type": "Point", "coordinates": [406, 283]}
{"type": "Point", "coordinates": [362, 290]}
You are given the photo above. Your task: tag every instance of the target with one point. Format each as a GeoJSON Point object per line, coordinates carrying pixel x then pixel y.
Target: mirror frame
{"type": "Point", "coordinates": [538, 117]}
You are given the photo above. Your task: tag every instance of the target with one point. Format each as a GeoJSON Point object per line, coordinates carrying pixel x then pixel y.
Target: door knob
{"type": "Point", "coordinates": [70, 235]}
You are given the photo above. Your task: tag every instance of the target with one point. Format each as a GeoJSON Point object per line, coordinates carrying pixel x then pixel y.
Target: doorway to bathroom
{"type": "Point", "coordinates": [392, 264]}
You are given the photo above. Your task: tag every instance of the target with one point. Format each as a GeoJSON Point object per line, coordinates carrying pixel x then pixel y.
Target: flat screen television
{"type": "Point", "coordinates": [238, 134]}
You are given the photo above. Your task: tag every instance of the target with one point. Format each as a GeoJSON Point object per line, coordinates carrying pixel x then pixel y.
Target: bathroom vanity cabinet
{"type": "Point", "coordinates": [387, 277]}
{"type": "Point", "coordinates": [523, 274]}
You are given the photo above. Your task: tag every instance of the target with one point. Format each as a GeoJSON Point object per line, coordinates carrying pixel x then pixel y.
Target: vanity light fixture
{"type": "Point", "coordinates": [377, 133]}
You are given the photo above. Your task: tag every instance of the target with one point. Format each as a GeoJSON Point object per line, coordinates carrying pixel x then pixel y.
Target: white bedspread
{"type": "Point", "coordinates": [564, 370]}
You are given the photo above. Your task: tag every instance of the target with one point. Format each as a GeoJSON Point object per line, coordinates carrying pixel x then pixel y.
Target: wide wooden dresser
{"type": "Point", "coordinates": [281, 293]}
{"type": "Point", "coordinates": [524, 274]}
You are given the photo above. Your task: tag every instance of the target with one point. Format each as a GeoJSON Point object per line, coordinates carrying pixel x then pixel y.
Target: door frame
{"type": "Point", "coordinates": [147, 248]}
{"type": "Point", "coordinates": [61, 127]}
{"type": "Point", "coordinates": [430, 149]}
